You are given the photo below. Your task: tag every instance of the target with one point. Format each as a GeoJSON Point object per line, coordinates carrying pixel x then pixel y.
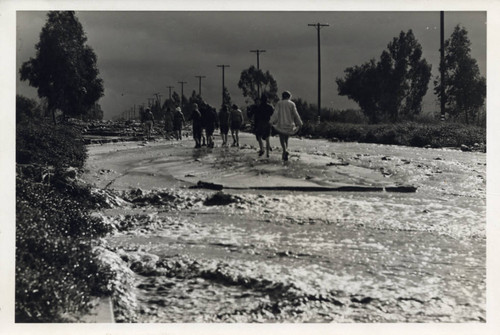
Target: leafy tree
{"type": "Point", "coordinates": [176, 99]}
{"type": "Point", "coordinates": [361, 85]}
{"type": "Point", "coordinates": [27, 109]}
{"type": "Point", "coordinates": [251, 78]}
{"type": "Point", "coordinates": [169, 103]}
{"type": "Point", "coordinates": [394, 86]}
{"type": "Point", "coordinates": [195, 99]}
{"type": "Point", "coordinates": [65, 68]}
{"type": "Point", "coordinates": [408, 75]}
{"type": "Point", "coordinates": [306, 111]}
{"type": "Point", "coordinates": [94, 113]}
{"type": "Point", "coordinates": [156, 109]}
{"type": "Point", "coordinates": [465, 89]}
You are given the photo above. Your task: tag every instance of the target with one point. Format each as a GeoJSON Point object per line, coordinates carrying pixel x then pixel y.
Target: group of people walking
{"type": "Point", "coordinates": [283, 119]}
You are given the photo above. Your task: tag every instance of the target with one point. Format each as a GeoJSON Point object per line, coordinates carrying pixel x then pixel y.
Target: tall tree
{"type": "Point", "coordinates": [65, 69]}
{"type": "Point", "coordinates": [195, 99]}
{"type": "Point", "coordinates": [94, 113]}
{"type": "Point", "coordinates": [253, 80]}
{"type": "Point", "coordinates": [410, 74]}
{"type": "Point", "coordinates": [465, 88]}
{"type": "Point", "coordinates": [361, 85]}
{"type": "Point", "coordinates": [393, 87]}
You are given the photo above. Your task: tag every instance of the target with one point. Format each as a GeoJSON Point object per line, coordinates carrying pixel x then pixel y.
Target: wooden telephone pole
{"type": "Point", "coordinates": [318, 27]}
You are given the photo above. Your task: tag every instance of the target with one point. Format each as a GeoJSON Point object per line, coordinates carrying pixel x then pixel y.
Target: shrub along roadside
{"type": "Point", "coordinates": [408, 133]}
{"type": "Point", "coordinates": [47, 144]}
{"type": "Point", "coordinates": [55, 268]}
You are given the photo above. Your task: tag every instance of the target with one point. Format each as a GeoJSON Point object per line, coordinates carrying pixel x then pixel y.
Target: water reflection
{"type": "Point", "coordinates": [200, 152]}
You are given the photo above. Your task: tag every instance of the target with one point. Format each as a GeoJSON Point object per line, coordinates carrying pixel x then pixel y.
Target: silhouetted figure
{"type": "Point", "coordinates": [148, 121]}
{"type": "Point", "coordinates": [197, 126]}
{"type": "Point", "coordinates": [210, 123]}
{"type": "Point", "coordinates": [179, 121]}
{"type": "Point", "coordinates": [224, 124]}
{"type": "Point", "coordinates": [236, 123]}
{"type": "Point", "coordinates": [169, 123]}
{"type": "Point", "coordinates": [262, 113]}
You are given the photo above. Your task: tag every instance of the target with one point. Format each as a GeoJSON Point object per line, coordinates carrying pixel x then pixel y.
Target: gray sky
{"type": "Point", "coordinates": [141, 53]}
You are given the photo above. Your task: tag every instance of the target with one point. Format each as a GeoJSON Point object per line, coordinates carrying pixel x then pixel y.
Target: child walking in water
{"type": "Point", "coordinates": [286, 120]}
{"type": "Point", "coordinates": [236, 122]}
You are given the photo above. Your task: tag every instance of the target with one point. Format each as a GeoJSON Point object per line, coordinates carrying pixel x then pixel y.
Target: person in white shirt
{"type": "Point", "coordinates": [286, 121]}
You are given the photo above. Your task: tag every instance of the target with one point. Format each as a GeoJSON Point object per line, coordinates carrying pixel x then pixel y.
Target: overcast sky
{"type": "Point", "coordinates": [141, 53]}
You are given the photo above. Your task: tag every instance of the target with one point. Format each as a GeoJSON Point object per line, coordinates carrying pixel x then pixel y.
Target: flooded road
{"type": "Point", "coordinates": [282, 255]}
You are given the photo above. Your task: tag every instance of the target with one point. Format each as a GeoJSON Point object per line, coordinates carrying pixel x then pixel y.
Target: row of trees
{"type": "Point", "coordinates": [391, 89]}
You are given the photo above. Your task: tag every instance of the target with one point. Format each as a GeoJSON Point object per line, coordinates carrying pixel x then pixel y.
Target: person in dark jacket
{"type": "Point", "coordinates": [262, 127]}
{"type": "Point", "coordinates": [236, 123]}
{"type": "Point", "coordinates": [169, 123]}
{"type": "Point", "coordinates": [224, 124]}
{"type": "Point", "coordinates": [210, 123]}
{"type": "Point", "coordinates": [197, 126]}
{"type": "Point", "coordinates": [179, 121]}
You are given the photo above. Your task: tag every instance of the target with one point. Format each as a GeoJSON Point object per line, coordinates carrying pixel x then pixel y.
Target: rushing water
{"type": "Point", "coordinates": [316, 257]}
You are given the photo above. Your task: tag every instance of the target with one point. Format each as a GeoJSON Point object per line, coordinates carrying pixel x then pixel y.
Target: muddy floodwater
{"type": "Point", "coordinates": [295, 254]}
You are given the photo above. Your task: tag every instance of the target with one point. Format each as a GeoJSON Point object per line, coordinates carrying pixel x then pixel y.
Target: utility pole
{"type": "Point", "coordinates": [318, 27]}
{"type": "Point", "coordinates": [158, 98]}
{"type": "Point", "coordinates": [257, 51]}
{"type": "Point", "coordinates": [443, 98]}
{"type": "Point", "coordinates": [170, 92]}
{"type": "Point", "coordinates": [199, 84]}
{"type": "Point", "coordinates": [223, 67]}
{"type": "Point", "coordinates": [182, 92]}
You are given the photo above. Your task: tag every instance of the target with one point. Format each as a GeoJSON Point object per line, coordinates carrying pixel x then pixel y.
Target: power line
{"type": "Point", "coordinates": [318, 27]}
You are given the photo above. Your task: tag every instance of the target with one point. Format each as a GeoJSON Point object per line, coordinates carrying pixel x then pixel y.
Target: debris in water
{"type": "Point", "coordinates": [221, 199]}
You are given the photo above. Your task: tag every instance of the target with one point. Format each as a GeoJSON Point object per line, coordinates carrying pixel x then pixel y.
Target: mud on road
{"type": "Point", "coordinates": [285, 255]}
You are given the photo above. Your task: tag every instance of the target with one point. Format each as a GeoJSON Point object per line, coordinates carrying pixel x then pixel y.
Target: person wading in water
{"type": "Point", "coordinates": [224, 124]}
{"type": "Point", "coordinates": [236, 123]}
{"type": "Point", "coordinates": [262, 112]}
{"type": "Point", "coordinates": [286, 121]}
